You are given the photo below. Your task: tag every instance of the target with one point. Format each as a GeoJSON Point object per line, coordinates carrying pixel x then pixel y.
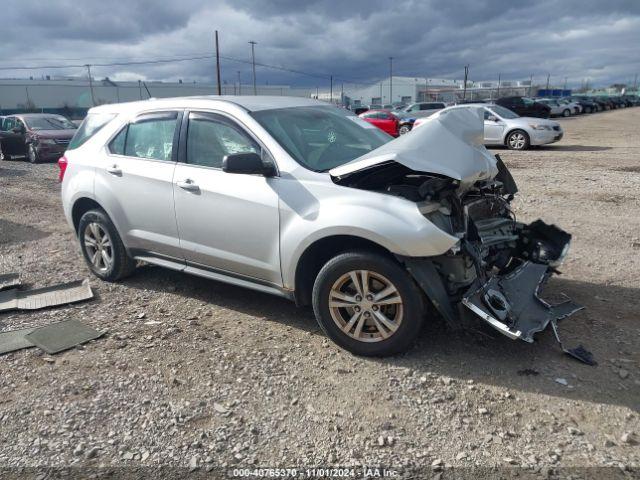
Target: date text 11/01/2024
{"type": "Point", "coordinates": [316, 472]}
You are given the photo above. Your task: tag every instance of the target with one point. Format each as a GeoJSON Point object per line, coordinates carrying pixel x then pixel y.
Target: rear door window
{"type": "Point", "coordinates": [150, 136]}
{"type": "Point", "coordinates": [91, 125]}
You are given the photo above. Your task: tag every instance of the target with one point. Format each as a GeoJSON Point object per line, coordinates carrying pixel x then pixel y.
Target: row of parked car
{"type": "Point", "coordinates": [511, 121]}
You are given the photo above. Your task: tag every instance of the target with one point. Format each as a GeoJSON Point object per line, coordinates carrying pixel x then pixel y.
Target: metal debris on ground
{"type": "Point", "coordinates": [14, 340]}
{"type": "Point", "coordinates": [9, 280]}
{"type": "Point", "coordinates": [36, 299]}
{"type": "Point", "coordinates": [61, 336]}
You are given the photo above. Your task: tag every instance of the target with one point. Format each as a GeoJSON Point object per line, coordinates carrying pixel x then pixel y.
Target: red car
{"type": "Point", "coordinates": [384, 120]}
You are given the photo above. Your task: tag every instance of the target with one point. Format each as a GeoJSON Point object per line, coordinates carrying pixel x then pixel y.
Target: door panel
{"type": "Point", "coordinates": [226, 221]}
{"type": "Point", "coordinates": [12, 143]}
{"type": "Point", "coordinates": [135, 182]}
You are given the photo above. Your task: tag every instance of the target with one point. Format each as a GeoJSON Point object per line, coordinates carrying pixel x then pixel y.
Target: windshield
{"type": "Point", "coordinates": [50, 123]}
{"type": "Point", "coordinates": [504, 112]}
{"type": "Point", "coordinates": [321, 138]}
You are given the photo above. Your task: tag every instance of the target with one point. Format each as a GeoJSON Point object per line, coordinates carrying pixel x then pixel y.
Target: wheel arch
{"type": "Point", "coordinates": [81, 206]}
{"type": "Point", "coordinates": [319, 252]}
{"type": "Point", "coordinates": [515, 129]}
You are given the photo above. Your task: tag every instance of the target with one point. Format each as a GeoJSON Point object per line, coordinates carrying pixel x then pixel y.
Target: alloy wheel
{"type": "Point", "coordinates": [98, 246]}
{"type": "Point", "coordinates": [366, 306]}
{"type": "Point", "coordinates": [517, 141]}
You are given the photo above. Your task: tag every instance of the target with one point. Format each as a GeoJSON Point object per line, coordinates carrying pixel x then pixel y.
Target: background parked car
{"type": "Point", "coordinates": [359, 109]}
{"type": "Point", "coordinates": [557, 109]}
{"type": "Point", "coordinates": [36, 136]}
{"type": "Point", "coordinates": [424, 109]}
{"type": "Point", "coordinates": [588, 106]}
{"type": "Point", "coordinates": [525, 107]}
{"type": "Point", "coordinates": [575, 107]}
{"type": "Point", "coordinates": [385, 120]}
{"type": "Point", "coordinates": [504, 127]}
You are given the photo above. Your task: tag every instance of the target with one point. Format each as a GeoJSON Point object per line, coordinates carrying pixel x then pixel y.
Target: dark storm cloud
{"type": "Point", "coordinates": [350, 39]}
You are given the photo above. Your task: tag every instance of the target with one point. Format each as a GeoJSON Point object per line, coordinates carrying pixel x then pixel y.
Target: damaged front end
{"type": "Point", "coordinates": [499, 266]}
{"type": "Point", "coordinates": [497, 269]}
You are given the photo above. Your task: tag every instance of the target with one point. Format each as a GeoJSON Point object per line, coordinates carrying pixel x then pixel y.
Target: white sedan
{"type": "Point", "coordinates": [504, 127]}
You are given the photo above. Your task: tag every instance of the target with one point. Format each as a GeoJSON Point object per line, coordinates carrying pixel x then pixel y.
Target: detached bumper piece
{"type": "Point", "coordinates": [71, 292]}
{"type": "Point", "coordinates": [511, 304]}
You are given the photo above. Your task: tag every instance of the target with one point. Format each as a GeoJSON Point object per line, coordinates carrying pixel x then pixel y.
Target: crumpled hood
{"type": "Point", "coordinates": [450, 143]}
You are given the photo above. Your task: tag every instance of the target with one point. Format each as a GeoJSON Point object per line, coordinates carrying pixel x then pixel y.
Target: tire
{"type": "Point", "coordinates": [32, 154]}
{"type": "Point", "coordinates": [92, 228]}
{"type": "Point", "coordinates": [404, 129]}
{"type": "Point", "coordinates": [566, 112]}
{"type": "Point", "coordinates": [367, 335]}
{"type": "Point", "coordinates": [518, 140]}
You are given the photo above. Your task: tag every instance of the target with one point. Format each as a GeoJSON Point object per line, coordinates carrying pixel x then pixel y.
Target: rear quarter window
{"type": "Point", "coordinates": [91, 125]}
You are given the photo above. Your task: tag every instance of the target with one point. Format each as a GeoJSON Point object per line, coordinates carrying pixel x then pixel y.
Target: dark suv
{"type": "Point", "coordinates": [36, 136]}
{"type": "Point", "coordinates": [525, 107]}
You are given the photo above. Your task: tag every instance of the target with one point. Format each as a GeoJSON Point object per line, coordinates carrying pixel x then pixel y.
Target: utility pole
{"type": "Point", "coordinates": [93, 98]}
{"type": "Point", "coordinates": [466, 75]}
{"type": "Point", "coordinates": [498, 92]}
{"type": "Point", "coordinates": [218, 64]}
{"type": "Point", "coordinates": [239, 84]}
{"type": "Point", "coordinates": [317, 94]}
{"type": "Point", "coordinates": [342, 94]}
{"type": "Point", "coordinates": [565, 83]}
{"type": "Point", "coordinates": [140, 88]}
{"type": "Point", "coordinates": [530, 83]}
{"type": "Point", "coordinates": [635, 82]}
{"type": "Point", "coordinates": [391, 80]}
{"type": "Point", "coordinates": [253, 63]}
{"type": "Point", "coordinates": [331, 89]}
{"type": "Point", "coordinates": [548, 77]}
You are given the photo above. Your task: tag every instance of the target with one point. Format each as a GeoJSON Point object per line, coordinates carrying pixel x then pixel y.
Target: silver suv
{"type": "Point", "coordinates": [304, 200]}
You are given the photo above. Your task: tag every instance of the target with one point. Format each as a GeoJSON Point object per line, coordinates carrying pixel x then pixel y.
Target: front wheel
{"type": "Point", "coordinates": [32, 154]}
{"type": "Point", "coordinates": [404, 129]}
{"type": "Point", "coordinates": [566, 112]}
{"type": "Point", "coordinates": [518, 140]}
{"type": "Point", "coordinates": [102, 247]}
{"type": "Point", "coordinates": [368, 304]}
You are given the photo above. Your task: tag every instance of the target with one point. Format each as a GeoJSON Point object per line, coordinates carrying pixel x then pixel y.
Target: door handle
{"type": "Point", "coordinates": [114, 170]}
{"type": "Point", "coordinates": [188, 184]}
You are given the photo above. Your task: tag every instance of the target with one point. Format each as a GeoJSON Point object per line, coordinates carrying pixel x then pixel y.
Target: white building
{"type": "Point", "coordinates": [74, 96]}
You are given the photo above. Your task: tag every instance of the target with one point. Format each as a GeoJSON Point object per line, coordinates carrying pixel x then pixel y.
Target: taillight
{"type": "Point", "coordinates": [62, 164]}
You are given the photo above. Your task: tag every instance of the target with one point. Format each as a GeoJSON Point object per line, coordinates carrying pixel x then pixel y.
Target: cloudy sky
{"type": "Point", "coordinates": [352, 39]}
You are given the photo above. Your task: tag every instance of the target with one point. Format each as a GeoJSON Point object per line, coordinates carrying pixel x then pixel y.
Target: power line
{"type": "Point", "coordinates": [113, 64]}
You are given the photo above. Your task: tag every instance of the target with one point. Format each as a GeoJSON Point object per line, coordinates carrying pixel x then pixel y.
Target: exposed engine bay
{"type": "Point", "coordinates": [498, 267]}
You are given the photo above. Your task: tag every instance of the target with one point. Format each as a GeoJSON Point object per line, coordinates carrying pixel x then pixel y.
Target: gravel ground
{"type": "Point", "coordinates": [198, 375]}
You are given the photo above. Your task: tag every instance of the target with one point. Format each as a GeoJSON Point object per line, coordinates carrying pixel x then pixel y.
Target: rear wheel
{"type": "Point", "coordinates": [566, 112]}
{"type": "Point", "coordinates": [102, 247]}
{"type": "Point", "coordinates": [518, 140]}
{"type": "Point", "coordinates": [368, 304]}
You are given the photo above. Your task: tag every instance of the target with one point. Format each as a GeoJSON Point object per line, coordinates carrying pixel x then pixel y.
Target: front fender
{"type": "Point", "coordinates": [393, 223]}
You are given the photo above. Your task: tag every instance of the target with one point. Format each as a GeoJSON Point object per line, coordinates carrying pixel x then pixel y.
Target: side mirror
{"type": "Point", "coordinates": [248, 164]}
{"type": "Point", "coordinates": [492, 118]}
{"type": "Point", "coordinates": [17, 130]}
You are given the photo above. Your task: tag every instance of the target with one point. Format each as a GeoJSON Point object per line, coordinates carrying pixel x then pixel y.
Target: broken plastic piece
{"type": "Point", "coordinates": [61, 336]}
{"type": "Point", "coordinates": [511, 304]}
{"type": "Point", "coordinates": [45, 297]}
{"type": "Point", "coordinates": [9, 280]}
{"type": "Point", "coordinates": [579, 353]}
